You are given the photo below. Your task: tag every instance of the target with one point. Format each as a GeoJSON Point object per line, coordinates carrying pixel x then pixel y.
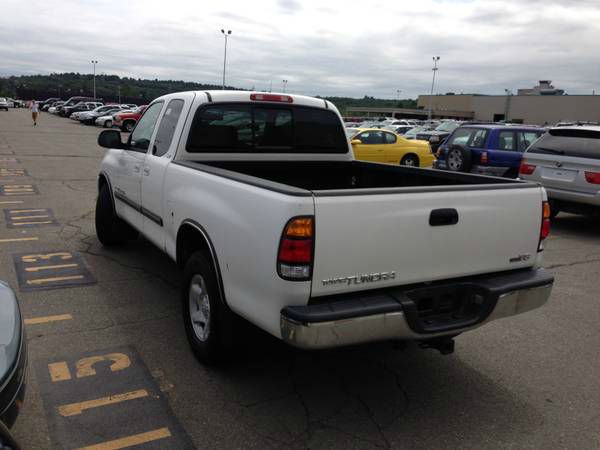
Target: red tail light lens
{"type": "Point", "coordinates": [295, 255]}
{"type": "Point", "coordinates": [526, 169]}
{"type": "Point", "coordinates": [484, 158]}
{"type": "Point", "coordinates": [592, 177]}
{"type": "Point", "coordinates": [545, 228]}
{"type": "Point", "coordinates": [271, 98]}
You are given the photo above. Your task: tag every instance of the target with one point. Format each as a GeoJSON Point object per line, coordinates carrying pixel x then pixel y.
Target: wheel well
{"type": "Point", "coordinates": [189, 240]}
{"type": "Point", "coordinates": [410, 154]}
{"type": "Point", "coordinates": [102, 181]}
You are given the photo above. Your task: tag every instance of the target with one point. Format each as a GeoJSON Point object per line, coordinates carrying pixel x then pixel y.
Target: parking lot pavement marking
{"type": "Point", "coordinates": [59, 371]}
{"type": "Point", "coordinates": [17, 189]}
{"type": "Point", "coordinates": [51, 270]}
{"type": "Point", "coordinates": [31, 238]}
{"type": "Point", "coordinates": [9, 160]}
{"type": "Point", "coordinates": [112, 403]}
{"type": "Point", "coordinates": [26, 218]}
{"type": "Point", "coordinates": [11, 172]}
{"type": "Point", "coordinates": [130, 441]}
{"type": "Point", "coordinates": [74, 409]}
{"type": "Point", "coordinates": [11, 202]}
{"type": "Point", "coordinates": [47, 319]}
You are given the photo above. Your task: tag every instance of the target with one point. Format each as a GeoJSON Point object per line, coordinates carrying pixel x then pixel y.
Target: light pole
{"type": "Point", "coordinates": [284, 84]}
{"type": "Point", "coordinates": [94, 64]}
{"type": "Point", "coordinates": [507, 104]}
{"type": "Point", "coordinates": [119, 89]}
{"type": "Point", "coordinates": [435, 69]}
{"type": "Point", "coordinates": [226, 34]}
{"type": "Point", "coordinates": [398, 94]}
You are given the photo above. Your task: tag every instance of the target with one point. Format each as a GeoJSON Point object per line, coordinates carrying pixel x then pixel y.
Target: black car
{"type": "Point", "coordinates": [438, 134]}
{"type": "Point", "coordinates": [47, 103]}
{"type": "Point", "coordinates": [73, 101]}
{"type": "Point", "coordinates": [13, 365]}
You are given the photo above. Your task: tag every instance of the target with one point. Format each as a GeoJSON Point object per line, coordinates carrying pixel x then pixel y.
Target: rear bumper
{"type": "Point", "coordinates": [573, 196]}
{"type": "Point", "coordinates": [409, 314]}
{"type": "Point", "coordinates": [496, 171]}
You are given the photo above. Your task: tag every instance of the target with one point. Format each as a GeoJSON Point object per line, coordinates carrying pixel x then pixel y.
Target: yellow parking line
{"type": "Point", "coordinates": [130, 441]}
{"type": "Point", "coordinates": [19, 211]}
{"type": "Point", "coordinates": [74, 409]}
{"type": "Point", "coordinates": [41, 216]}
{"type": "Point", "coordinates": [46, 319]}
{"type": "Point", "coordinates": [59, 371]}
{"type": "Point", "coordinates": [39, 222]}
{"type": "Point", "coordinates": [18, 193]}
{"type": "Point", "coordinates": [19, 239]}
{"type": "Point", "coordinates": [58, 266]}
{"type": "Point", "coordinates": [12, 202]}
{"type": "Point", "coordinates": [51, 280]}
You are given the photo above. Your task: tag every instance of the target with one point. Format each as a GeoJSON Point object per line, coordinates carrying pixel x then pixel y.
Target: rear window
{"type": "Point", "coordinates": [569, 142]}
{"type": "Point", "coordinates": [241, 128]}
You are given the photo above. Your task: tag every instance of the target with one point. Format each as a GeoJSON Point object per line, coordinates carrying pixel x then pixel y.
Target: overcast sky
{"type": "Point", "coordinates": [325, 47]}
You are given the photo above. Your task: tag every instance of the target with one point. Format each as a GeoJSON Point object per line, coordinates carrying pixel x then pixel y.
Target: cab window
{"type": "Point", "coordinates": [166, 129]}
{"type": "Point", "coordinates": [142, 133]}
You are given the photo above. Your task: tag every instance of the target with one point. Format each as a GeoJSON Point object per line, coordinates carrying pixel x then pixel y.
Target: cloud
{"type": "Point", "coordinates": [341, 48]}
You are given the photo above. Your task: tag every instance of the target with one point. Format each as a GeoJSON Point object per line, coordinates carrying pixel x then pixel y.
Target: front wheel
{"type": "Point", "coordinates": [128, 127]}
{"type": "Point", "coordinates": [410, 160]}
{"type": "Point", "coordinates": [209, 324]}
{"type": "Point", "coordinates": [110, 229]}
{"type": "Point", "coordinates": [108, 124]}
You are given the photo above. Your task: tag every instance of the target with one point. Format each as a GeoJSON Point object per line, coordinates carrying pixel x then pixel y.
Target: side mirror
{"type": "Point", "coordinates": [356, 142]}
{"type": "Point", "coordinates": [110, 139]}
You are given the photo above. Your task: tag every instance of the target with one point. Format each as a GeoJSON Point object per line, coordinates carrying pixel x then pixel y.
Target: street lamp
{"type": "Point", "coordinates": [284, 84]}
{"type": "Point", "coordinates": [435, 69]}
{"type": "Point", "coordinates": [398, 94]}
{"type": "Point", "coordinates": [226, 34]}
{"type": "Point", "coordinates": [94, 64]}
{"type": "Point", "coordinates": [508, 93]}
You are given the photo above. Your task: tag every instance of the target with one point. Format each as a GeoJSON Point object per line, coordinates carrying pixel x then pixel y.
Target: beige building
{"type": "Point", "coordinates": [533, 109]}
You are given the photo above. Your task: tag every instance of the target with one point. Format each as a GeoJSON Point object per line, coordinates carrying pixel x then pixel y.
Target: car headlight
{"type": "Point", "coordinates": [10, 330]}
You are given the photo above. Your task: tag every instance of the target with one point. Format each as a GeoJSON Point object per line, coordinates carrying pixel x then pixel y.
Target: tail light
{"type": "Point", "coordinates": [592, 177]}
{"type": "Point", "coordinates": [483, 158]}
{"type": "Point", "coordinates": [545, 228]}
{"type": "Point", "coordinates": [526, 169]}
{"type": "Point", "coordinates": [271, 98]}
{"type": "Point", "coordinates": [439, 151]}
{"type": "Point", "coordinates": [295, 255]}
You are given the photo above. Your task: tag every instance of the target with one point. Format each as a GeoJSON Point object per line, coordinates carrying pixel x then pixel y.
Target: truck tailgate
{"type": "Point", "coordinates": [380, 240]}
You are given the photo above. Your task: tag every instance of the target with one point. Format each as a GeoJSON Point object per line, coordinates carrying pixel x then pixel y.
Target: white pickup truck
{"type": "Point", "coordinates": [258, 198]}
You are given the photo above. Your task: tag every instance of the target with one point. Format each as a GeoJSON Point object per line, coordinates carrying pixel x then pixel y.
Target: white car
{"type": "Point", "coordinates": [259, 200]}
{"type": "Point", "coordinates": [3, 104]}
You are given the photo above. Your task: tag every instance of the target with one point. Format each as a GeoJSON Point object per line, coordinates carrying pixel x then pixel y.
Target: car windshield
{"type": "Point", "coordinates": [569, 142]}
{"type": "Point", "coordinates": [414, 131]}
{"type": "Point", "coordinates": [447, 127]}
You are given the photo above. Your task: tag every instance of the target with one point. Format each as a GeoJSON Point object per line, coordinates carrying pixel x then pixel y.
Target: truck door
{"type": "Point", "coordinates": [157, 159]}
{"type": "Point", "coordinates": [128, 179]}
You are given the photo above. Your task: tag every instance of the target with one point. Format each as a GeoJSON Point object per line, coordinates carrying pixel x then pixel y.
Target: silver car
{"type": "Point", "coordinates": [566, 161]}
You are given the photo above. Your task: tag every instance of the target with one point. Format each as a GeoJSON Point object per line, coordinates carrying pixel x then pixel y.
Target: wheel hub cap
{"type": "Point", "coordinates": [454, 160]}
{"type": "Point", "coordinates": [199, 307]}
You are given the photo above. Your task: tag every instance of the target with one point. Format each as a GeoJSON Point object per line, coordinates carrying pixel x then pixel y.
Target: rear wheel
{"type": "Point", "coordinates": [410, 160]}
{"type": "Point", "coordinates": [110, 229]}
{"type": "Point", "coordinates": [128, 126]}
{"type": "Point", "coordinates": [108, 124]}
{"type": "Point", "coordinates": [209, 324]}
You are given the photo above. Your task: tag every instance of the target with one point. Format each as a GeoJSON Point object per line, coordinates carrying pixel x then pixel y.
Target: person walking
{"type": "Point", "coordinates": [34, 111]}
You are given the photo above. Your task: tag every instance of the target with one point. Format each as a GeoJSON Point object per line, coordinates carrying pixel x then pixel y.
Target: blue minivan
{"type": "Point", "coordinates": [486, 149]}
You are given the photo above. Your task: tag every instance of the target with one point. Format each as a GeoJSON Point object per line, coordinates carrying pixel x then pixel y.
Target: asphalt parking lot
{"type": "Point", "coordinates": [109, 361]}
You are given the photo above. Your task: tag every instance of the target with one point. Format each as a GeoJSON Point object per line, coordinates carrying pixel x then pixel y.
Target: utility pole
{"type": "Point", "coordinates": [507, 104]}
{"type": "Point", "coordinates": [119, 89]}
{"type": "Point", "coordinates": [284, 84]}
{"type": "Point", "coordinates": [94, 64]}
{"type": "Point", "coordinates": [226, 34]}
{"type": "Point", "coordinates": [435, 69]}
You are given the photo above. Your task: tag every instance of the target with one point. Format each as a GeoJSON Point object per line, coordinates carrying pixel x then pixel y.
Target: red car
{"type": "Point", "coordinates": [126, 120]}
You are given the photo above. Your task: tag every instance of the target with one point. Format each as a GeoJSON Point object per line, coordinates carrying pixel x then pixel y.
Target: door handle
{"type": "Point", "coordinates": [136, 169]}
{"type": "Point", "coordinates": [443, 216]}
{"type": "Point", "coordinates": [146, 171]}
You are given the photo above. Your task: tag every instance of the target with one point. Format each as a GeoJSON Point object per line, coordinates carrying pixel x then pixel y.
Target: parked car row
{"type": "Point", "coordinates": [90, 111]}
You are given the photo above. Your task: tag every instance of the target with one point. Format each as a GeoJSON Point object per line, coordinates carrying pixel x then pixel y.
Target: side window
{"type": "Point", "coordinates": [461, 136]}
{"type": "Point", "coordinates": [526, 138]}
{"type": "Point", "coordinates": [371, 137]}
{"type": "Point", "coordinates": [506, 141]}
{"type": "Point", "coordinates": [142, 133]}
{"type": "Point", "coordinates": [477, 139]}
{"type": "Point", "coordinates": [166, 129]}
{"type": "Point", "coordinates": [390, 138]}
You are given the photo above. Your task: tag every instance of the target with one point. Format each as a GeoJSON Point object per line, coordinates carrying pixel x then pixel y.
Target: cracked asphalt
{"type": "Point", "coordinates": [525, 382]}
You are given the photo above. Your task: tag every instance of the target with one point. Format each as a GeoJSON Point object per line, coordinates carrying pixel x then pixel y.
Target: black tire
{"type": "Point", "coordinates": [111, 230]}
{"type": "Point", "coordinates": [410, 160]}
{"type": "Point", "coordinates": [458, 159]}
{"type": "Point", "coordinates": [553, 209]}
{"type": "Point", "coordinates": [128, 126]}
{"type": "Point", "coordinates": [108, 124]}
{"type": "Point", "coordinates": [212, 343]}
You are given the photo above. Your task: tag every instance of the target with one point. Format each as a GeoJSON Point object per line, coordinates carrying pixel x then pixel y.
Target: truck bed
{"type": "Point", "coordinates": [347, 175]}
